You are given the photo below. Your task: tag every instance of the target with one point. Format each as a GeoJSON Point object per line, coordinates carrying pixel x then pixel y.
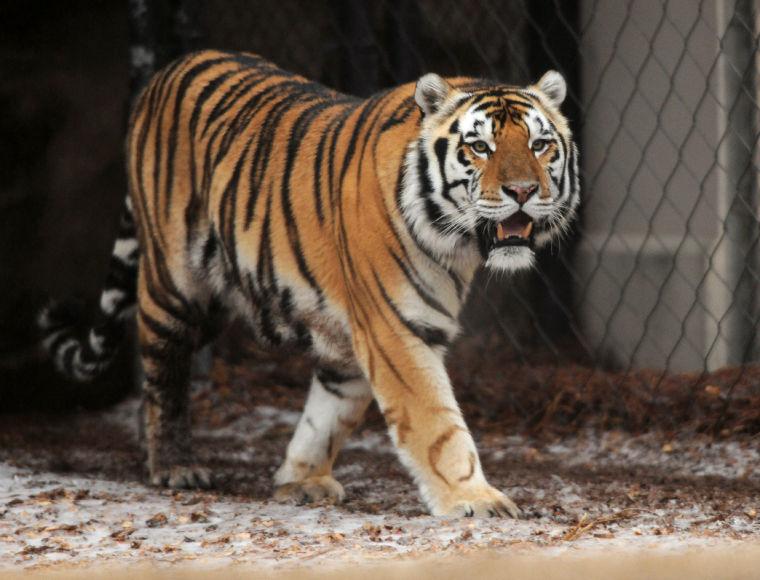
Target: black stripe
{"type": "Point", "coordinates": [67, 360]}
{"type": "Point", "coordinates": [227, 213]}
{"type": "Point", "coordinates": [366, 110]}
{"type": "Point", "coordinates": [485, 105]}
{"type": "Point", "coordinates": [63, 336]}
{"type": "Point", "coordinates": [430, 335]}
{"type": "Point", "coordinates": [248, 59]}
{"type": "Point", "coordinates": [419, 244]}
{"type": "Point", "coordinates": [286, 304]}
{"type": "Point", "coordinates": [331, 375]}
{"type": "Point", "coordinates": [209, 249]}
{"type": "Point", "coordinates": [427, 298]}
{"type": "Point", "coordinates": [299, 128]}
{"type": "Point", "coordinates": [571, 170]}
{"type": "Point", "coordinates": [433, 211]}
{"type": "Point", "coordinates": [159, 296]}
{"type": "Point", "coordinates": [265, 250]}
{"type": "Point", "coordinates": [331, 154]}
{"type": "Point", "coordinates": [426, 186]}
{"type": "Point", "coordinates": [208, 91]}
{"type": "Point", "coordinates": [294, 92]}
{"type": "Point", "coordinates": [333, 390]}
{"type": "Point", "coordinates": [567, 158]}
{"type": "Point", "coordinates": [368, 134]}
{"type": "Point", "coordinates": [156, 101]}
{"type": "Point", "coordinates": [161, 330]}
{"type": "Point", "coordinates": [318, 160]}
{"type": "Point", "coordinates": [187, 78]}
{"type": "Point", "coordinates": [121, 275]}
{"type": "Point", "coordinates": [232, 96]}
{"type": "Point", "coordinates": [400, 115]}
{"type": "Point", "coordinates": [193, 208]}
{"type": "Point", "coordinates": [441, 147]}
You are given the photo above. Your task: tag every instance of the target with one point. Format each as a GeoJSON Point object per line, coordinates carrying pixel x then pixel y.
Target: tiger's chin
{"type": "Point", "coordinates": [510, 259]}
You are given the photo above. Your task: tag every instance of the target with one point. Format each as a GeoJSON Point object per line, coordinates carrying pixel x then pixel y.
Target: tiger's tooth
{"type": "Point", "coordinates": [499, 231]}
{"type": "Point", "coordinates": [527, 230]}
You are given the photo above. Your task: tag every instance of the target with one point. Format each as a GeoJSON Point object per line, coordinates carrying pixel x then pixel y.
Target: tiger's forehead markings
{"type": "Point", "coordinates": [544, 126]}
{"type": "Point", "coordinates": [497, 103]}
{"type": "Point", "coordinates": [494, 113]}
{"type": "Point", "coordinates": [476, 124]}
{"type": "Point", "coordinates": [538, 121]}
{"type": "Point", "coordinates": [514, 96]}
{"type": "Point", "coordinates": [539, 125]}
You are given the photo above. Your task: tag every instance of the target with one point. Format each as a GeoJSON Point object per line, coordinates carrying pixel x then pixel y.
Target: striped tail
{"type": "Point", "coordinates": [83, 354]}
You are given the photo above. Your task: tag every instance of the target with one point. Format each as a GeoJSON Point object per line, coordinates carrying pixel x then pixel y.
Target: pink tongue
{"type": "Point", "coordinates": [515, 225]}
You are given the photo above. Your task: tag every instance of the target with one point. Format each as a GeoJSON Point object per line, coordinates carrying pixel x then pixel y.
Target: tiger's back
{"type": "Point", "coordinates": [235, 167]}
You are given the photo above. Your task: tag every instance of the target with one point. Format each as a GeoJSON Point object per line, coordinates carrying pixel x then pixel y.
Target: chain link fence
{"type": "Point", "coordinates": [651, 309]}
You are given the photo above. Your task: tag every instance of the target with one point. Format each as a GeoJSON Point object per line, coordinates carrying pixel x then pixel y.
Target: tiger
{"type": "Point", "coordinates": [348, 229]}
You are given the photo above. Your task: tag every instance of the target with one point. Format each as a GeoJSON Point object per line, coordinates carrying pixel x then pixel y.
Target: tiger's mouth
{"type": "Point", "coordinates": [516, 230]}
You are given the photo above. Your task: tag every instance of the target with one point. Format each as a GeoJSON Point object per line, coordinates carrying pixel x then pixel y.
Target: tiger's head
{"type": "Point", "coordinates": [493, 164]}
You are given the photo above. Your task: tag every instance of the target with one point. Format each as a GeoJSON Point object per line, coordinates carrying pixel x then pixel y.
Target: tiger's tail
{"type": "Point", "coordinates": [82, 354]}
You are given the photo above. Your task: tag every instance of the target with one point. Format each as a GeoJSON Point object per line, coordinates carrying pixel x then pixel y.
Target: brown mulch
{"type": "Point", "coordinates": [545, 394]}
{"type": "Point", "coordinates": [559, 395]}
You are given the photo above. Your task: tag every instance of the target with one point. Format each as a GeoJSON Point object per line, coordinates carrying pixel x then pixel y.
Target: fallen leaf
{"type": "Point", "coordinates": [199, 517]}
{"type": "Point", "coordinates": [157, 521]}
{"type": "Point", "coordinates": [713, 391]}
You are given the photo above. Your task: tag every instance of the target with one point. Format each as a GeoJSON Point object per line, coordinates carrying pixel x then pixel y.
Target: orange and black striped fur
{"type": "Point", "coordinates": [351, 228]}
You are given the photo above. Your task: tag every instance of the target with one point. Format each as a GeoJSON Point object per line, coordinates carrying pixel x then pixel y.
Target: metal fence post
{"type": "Point", "coordinates": [733, 257]}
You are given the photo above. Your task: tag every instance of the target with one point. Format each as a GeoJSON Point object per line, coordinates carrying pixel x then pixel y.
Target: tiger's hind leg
{"type": "Point", "coordinates": [168, 336]}
{"type": "Point", "coordinates": [334, 407]}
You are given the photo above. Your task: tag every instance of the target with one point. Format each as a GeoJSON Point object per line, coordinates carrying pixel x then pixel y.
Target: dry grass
{"type": "Point", "coordinates": [586, 524]}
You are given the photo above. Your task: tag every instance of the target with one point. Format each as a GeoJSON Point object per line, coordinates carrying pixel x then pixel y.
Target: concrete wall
{"type": "Point", "coordinates": [669, 222]}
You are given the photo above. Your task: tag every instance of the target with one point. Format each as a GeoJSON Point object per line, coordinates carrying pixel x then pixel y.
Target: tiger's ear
{"type": "Point", "coordinates": [431, 92]}
{"type": "Point", "coordinates": [553, 85]}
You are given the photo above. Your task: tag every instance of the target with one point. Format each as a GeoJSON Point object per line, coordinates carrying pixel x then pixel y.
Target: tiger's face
{"type": "Point", "coordinates": [495, 164]}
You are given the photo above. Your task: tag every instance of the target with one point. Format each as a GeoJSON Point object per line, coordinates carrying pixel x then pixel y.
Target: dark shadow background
{"type": "Point", "coordinates": [65, 85]}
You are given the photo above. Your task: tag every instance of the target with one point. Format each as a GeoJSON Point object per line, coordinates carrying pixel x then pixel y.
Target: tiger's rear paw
{"type": "Point", "coordinates": [311, 490]}
{"type": "Point", "coordinates": [183, 477]}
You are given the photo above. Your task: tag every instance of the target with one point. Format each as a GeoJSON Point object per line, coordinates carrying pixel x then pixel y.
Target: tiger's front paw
{"type": "Point", "coordinates": [310, 490]}
{"type": "Point", "coordinates": [486, 503]}
{"type": "Point", "coordinates": [182, 477]}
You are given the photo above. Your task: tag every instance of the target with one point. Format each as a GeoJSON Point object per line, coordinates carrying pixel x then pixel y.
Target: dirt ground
{"type": "Point", "coordinates": [71, 491]}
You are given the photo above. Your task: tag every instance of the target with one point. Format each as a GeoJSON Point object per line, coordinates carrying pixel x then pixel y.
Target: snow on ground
{"type": "Point", "coordinates": [71, 494]}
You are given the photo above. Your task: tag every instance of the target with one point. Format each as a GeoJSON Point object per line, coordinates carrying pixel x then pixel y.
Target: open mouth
{"type": "Point", "coordinates": [516, 230]}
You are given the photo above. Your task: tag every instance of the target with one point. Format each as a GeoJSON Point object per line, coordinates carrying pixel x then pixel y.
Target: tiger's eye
{"type": "Point", "coordinates": [538, 145]}
{"type": "Point", "coordinates": [480, 147]}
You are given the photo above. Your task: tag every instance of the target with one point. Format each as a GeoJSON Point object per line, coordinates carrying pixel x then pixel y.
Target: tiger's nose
{"type": "Point", "coordinates": [520, 191]}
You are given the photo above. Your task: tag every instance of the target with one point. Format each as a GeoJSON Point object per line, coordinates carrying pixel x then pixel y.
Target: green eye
{"type": "Point", "coordinates": [480, 147]}
{"type": "Point", "coordinates": [539, 145]}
